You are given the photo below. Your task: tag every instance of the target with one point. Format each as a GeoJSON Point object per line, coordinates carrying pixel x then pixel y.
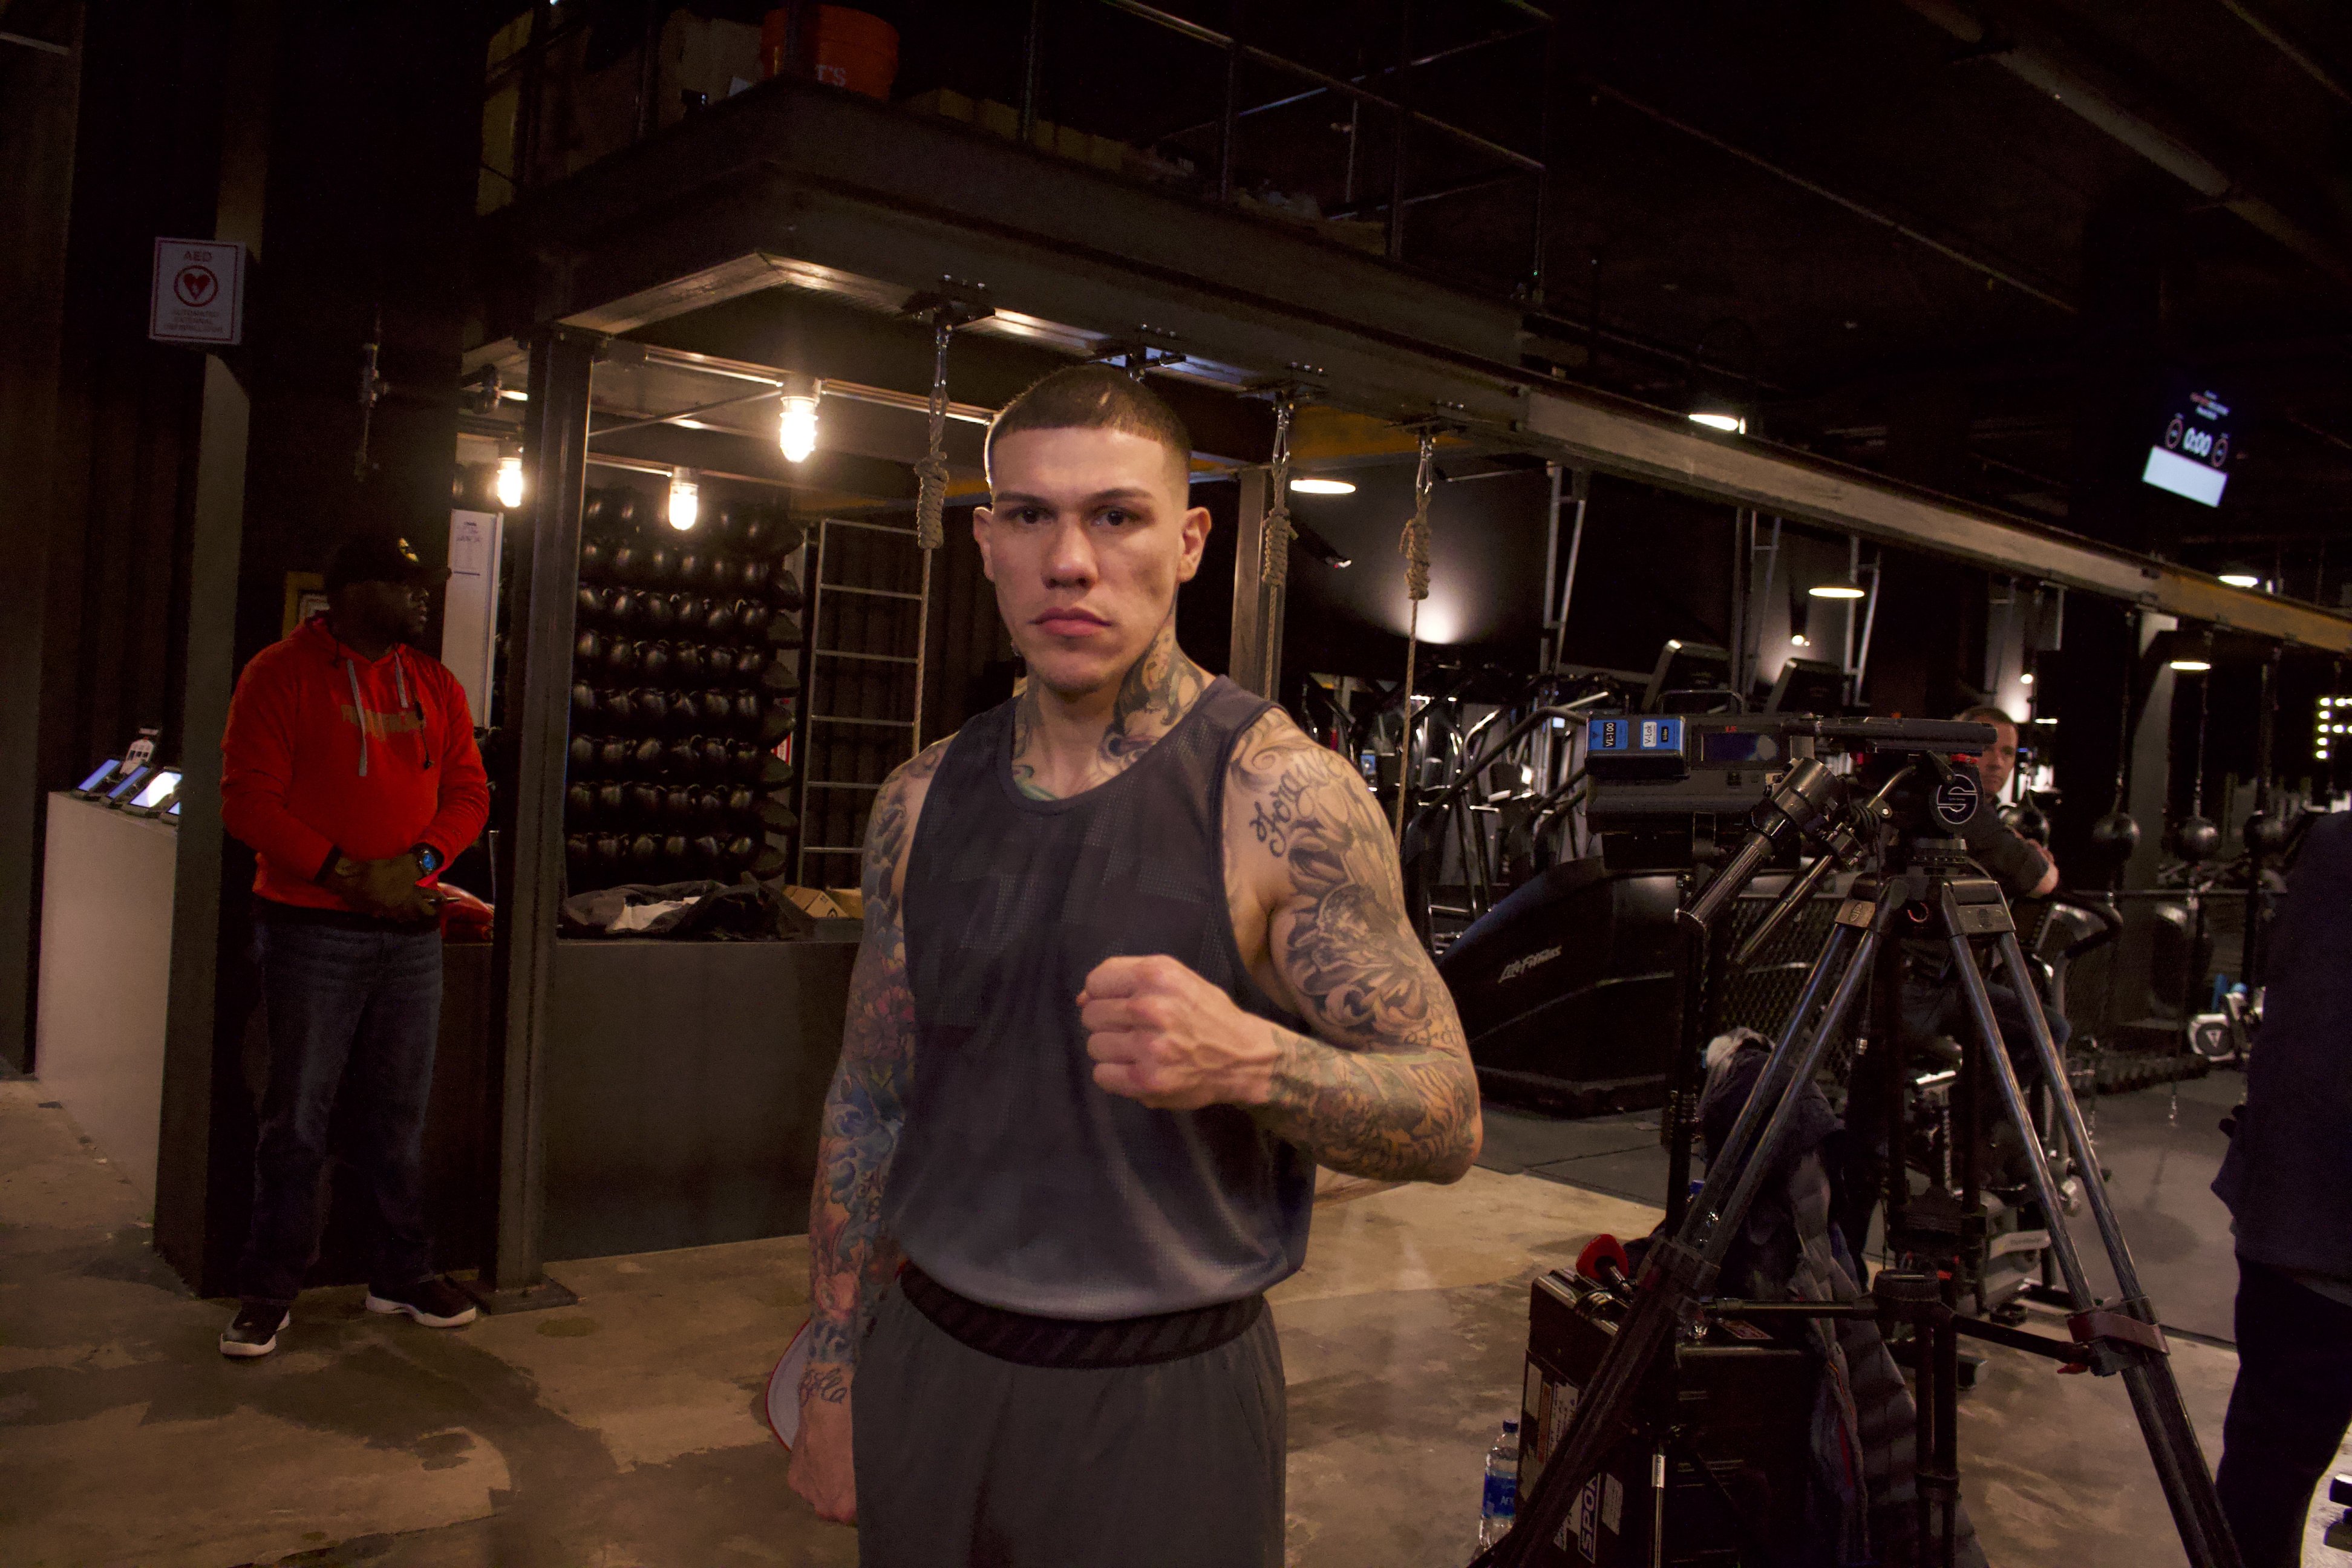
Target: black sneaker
{"type": "Point", "coordinates": [254, 1330]}
{"type": "Point", "coordinates": [433, 1302]}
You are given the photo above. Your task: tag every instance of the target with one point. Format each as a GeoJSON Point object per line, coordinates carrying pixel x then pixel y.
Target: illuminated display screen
{"type": "Point", "coordinates": [159, 788]}
{"type": "Point", "coordinates": [2190, 455]}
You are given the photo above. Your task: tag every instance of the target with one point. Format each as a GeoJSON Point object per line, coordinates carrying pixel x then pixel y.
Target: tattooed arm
{"type": "Point", "coordinates": [851, 1261]}
{"type": "Point", "coordinates": [1383, 1086]}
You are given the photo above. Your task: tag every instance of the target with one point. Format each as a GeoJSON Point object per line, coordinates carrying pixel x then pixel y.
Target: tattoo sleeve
{"type": "Point", "coordinates": [851, 1261]}
{"type": "Point", "coordinates": [1384, 1087]}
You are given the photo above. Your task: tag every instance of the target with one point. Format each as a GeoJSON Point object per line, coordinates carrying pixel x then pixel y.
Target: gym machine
{"type": "Point", "coordinates": [1894, 814]}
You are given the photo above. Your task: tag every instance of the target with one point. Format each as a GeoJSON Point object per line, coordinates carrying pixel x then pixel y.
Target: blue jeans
{"type": "Point", "coordinates": [347, 1009]}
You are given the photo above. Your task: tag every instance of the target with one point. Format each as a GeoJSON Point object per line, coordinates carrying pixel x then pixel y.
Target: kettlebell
{"type": "Point", "coordinates": [645, 757]}
{"type": "Point", "coordinates": [739, 852]}
{"type": "Point", "coordinates": [612, 756]}
{"type": "Point", "coordinates": [587, 648]}
{"type": "Point", "coordinates": [2196, 839]}
{"type": "Point", "coordinates": [747, 710]}
{"type": "Point", "coordinates": [2265, 833]}
{"type": "Point", "coordinates": [583, 702]}
{"type": "Point", "coordinates": [642, 803]}
{"type": "Point", "coordinates": [595, 509]}
{"type": "Point", "coordinates": [674, 849]}
{"type": "Point", "coordinates": [653, 708]}
{"type": "Point", "coordinates": [760, 528]}
{"type": "Point", "coordinates": [693, 568]}
{"type": "Point", "coordinates": [686, 665]}
{"type": "Point", "coordinates": [611, 800]}
{"type": "Point", "coordinates": [620, 709]}
{"type": "Point", "coordinates": [579, 806]}
{"type": "Point", "coordinates": [724, 573]}
{"type": "Point", "coordinates": [652, 611]}
{"type": "Point", "coordinates": [750, 664]}
{"type": "Point", "coordinates": [653, 661]}
{"type": "Point", "coordinates": [740, 802]}
{"type": "Point", "coordinates": [744, 761]}
{"type": "Point", "coordinates": [620, 659]}
{"type": "Point", "coordinates": [625, 507]}
{"type": "Point", "coordinates": [629, 563]}
{"type": "Point", "coordinates": [583, 755]}
{"type": "Point", "coordinates": [753, 621]}
{"type": "Point", "coordinates": [713, 757]}
{"type": "Point", "coordinates": [661, 566]}
{"type": "Point", "coordinates": [645, 856]}
{"type": "Point", "coordinates": [588, 605]}
{"type": "Point", "coordinates": [679, 759]}
{"type": "Point", "coordinates": [677, 805]}
{"type": "Point", "coordinates": [595, 558]}
{"type": "Point", "coordinates": [702, 852]}
{"type": "Point", "coordinates": [623, 609]}
{"type": "Point", "coordinates": [757, 573]}
{"type": "Point", "coordinates": [2026, 820]}
{"type": "Point", "coordinates": [579, 860]}
{"type": "Point", "coordinates": [727, 523]}
{"type": "Point", "coordinates": [609, 849]}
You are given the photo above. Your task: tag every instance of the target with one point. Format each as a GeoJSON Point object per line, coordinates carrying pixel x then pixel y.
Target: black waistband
{"type": "Point", "coordinates": [1065, 1342]}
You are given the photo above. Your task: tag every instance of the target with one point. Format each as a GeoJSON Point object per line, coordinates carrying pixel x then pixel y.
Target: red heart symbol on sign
{"type": "Point", "coordinates": [194, 285]}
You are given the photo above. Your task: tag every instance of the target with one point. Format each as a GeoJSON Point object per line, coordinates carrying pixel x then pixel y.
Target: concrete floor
{"type": "Point", "coordinates": [623, 1432]}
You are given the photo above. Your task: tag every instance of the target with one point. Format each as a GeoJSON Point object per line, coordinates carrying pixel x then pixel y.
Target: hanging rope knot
{"type": "Point", "coordinates": [932, 473]}
{"type": "Point", "coordinates": [1274, 542]}
{"type": "Point", "coordinates": [1415, 546]}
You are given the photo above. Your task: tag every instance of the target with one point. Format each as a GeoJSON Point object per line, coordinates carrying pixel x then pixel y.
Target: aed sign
{"type": "Point", "coordinates": [2190, 455]}
{"type": "Point", "coordinates": [199, 293]}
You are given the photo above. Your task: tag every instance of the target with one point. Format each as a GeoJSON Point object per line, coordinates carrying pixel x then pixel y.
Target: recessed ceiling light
{"type": "Point", "coordinates": [1310, 487]}
{"type": "Point", "coordinates": [2242, 580]}
{"type": "Point", "coordinates": [1837, 591]}
{"type": "Point", "coordinates": [1730, 424]}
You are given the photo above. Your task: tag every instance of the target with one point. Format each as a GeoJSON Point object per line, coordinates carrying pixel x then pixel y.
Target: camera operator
{"type": "Point", "coordinates": [1931, 1003]}
{"type": "Point", "coordinates": [2287, 1181]}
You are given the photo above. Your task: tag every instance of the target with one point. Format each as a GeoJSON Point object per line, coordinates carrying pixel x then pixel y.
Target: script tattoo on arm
{"type": "Point", "coordinates": [1384, 1087]}
{"type": "Point", "coordinates": [851, 1261]}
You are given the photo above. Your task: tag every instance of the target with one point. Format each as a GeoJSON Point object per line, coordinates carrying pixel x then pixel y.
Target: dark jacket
{"type": "Point", "coordinates": [2288, 1175]}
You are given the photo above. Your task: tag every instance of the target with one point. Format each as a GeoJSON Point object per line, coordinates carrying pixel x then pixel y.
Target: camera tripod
{"type": "Point", "coordinates": [1928, 888]}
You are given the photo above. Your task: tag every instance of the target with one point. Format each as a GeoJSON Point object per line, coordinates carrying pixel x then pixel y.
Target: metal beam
{"type": "Point", "coordinates": [1253, 656]}
{"type": "Point", "coordinates": [1653, 449]}
{"type": "Point", "coordinates": [529, 854]}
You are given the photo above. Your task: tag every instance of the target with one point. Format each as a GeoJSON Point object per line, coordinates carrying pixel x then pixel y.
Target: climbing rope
{"type": "Point", "coordinates": [1415, 547]}
{"type": "Point", "coordinates": [932, 473]}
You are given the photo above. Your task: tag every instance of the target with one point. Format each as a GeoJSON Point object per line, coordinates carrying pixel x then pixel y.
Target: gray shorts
{"type": "Point", "coordinates": [963, 1458]}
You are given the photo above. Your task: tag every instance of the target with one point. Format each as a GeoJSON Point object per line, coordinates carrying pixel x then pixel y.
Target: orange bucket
{"type": "Point", "coordinates": [841, 48]}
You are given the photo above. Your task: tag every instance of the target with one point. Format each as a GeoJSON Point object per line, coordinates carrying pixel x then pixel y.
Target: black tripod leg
{"type": "Point", "coordinates": [1677, 1272]}
{"type": "Point", "coordinates": [2156, 1397]}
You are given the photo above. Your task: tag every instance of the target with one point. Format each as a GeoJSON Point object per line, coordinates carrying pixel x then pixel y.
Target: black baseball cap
{"type": "Point", "coordinates": [380, 558]}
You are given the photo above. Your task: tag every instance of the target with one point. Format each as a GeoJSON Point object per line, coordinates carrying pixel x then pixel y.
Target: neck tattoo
{"type": "Point", "coordinates": [1157, 690]}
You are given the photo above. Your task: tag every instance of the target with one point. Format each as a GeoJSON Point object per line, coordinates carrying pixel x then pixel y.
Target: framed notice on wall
{"type": "Point", "coordinates": [305, 595]}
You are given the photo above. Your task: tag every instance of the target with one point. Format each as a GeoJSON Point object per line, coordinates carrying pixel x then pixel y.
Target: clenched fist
{"type": "Point", "coordinates": [1159, 1033]}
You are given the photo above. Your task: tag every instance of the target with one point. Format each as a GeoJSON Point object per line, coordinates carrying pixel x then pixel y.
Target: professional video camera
{"type": "Point", "coordinates": [1888, 798]}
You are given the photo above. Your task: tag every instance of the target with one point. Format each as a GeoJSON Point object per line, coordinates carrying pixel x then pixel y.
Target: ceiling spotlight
{"type": "Point", "coordinates": [2190, 666]}
{"type": "Point", "coordinates": [685, 499]}
{"type": "Point", "coordinates": [1800, 640]}
{"type": "Point", "coordinates": [1837, 591]}
{"type": "Point", "coordinates": [1312, 486]}
{"type": "Point", "coordinates": [510, 482]}
{"type": "Point", "coordinates": [796, 428]}
{"type": "Point", "coordinates": [1729, 424]}
{"type": "Point", "coordinates": [2242, 580]}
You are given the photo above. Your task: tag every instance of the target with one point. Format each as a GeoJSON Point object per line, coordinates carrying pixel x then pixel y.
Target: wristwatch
{"type": "Point", "coordinates": [427, 857]}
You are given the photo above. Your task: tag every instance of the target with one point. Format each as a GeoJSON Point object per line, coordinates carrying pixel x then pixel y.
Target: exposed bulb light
{"type": "Point", "coordinates": [1800, 640]}
{"type": "Point", "coordinates": [2026, 680]}
{"type": "Point", "coordinates": [2242, 580]}
{"type": "Point", "coordinates": [1837, 591]}
{"type": "Point", "coordinates": [685, 499]}
{"type": "Point", "coordinates": [1729, 424]}
{"type": "Point", "coordinates": [2190, 666]}
{"type": "Point", "coordinates": [510, 482]}
{"type": "Point", "coordinates": [796, 429]}
{"type": "Point", "coordinates": [1311, 487]}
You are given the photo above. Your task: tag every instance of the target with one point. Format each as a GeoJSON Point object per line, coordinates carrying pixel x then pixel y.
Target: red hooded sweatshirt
{"type": "Point", "coordinates": [328, 751]}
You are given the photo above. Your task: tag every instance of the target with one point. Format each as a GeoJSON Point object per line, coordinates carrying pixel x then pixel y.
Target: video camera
{"type": "Point", "coordinates": [1665, 789]}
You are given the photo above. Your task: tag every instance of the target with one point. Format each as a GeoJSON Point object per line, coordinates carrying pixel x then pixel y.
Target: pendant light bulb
{"type": "Point", "coordinates": [796, 430]}
{"type": "Point", "coordinates": [685, 499]}
{"type": "Point", "coordinates": [510, 482]}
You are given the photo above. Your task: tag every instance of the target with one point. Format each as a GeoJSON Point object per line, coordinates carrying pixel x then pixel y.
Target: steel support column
{"type": "Point", "coordinates": [527, 851]}
{"type": "Point", "coordinates": [1255, 655]}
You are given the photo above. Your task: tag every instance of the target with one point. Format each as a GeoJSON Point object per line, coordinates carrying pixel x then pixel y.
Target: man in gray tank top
{"type": "Point", "coordinates": [1136, 961]}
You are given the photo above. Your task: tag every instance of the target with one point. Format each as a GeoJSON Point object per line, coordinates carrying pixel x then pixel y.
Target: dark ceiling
{"type": "Point", "coordinates": [1872, 220]}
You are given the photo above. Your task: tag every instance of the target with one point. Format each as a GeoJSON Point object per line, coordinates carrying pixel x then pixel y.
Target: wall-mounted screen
{"type": "Point", "coordinates": [2191, 454]}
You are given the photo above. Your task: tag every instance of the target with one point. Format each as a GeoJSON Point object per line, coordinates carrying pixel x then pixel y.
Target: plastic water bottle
{"type": "Point", "coordinates": [1501, 1501]}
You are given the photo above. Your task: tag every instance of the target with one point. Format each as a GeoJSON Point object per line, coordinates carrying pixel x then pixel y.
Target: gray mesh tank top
{"type": "Point", "coordinates": [1018, 1183]}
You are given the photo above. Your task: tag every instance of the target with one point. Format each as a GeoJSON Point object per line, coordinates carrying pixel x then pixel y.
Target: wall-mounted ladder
{"type": "Point", "coordinates": [869, 613]}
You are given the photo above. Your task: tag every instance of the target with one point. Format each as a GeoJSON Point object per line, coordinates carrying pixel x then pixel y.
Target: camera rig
{"type": "Point", "coordinates": [1733, 794]}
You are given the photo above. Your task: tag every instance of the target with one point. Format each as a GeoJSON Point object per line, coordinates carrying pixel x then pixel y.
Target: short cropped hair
{"type": "Point", "coordinates": [1986, 713]}
{"type": "Point", "coordinates": [1093, 397]}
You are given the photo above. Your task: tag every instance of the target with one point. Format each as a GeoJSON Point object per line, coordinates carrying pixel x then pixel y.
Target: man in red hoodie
{"type": "Point", "coordinates": [349, 767]}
